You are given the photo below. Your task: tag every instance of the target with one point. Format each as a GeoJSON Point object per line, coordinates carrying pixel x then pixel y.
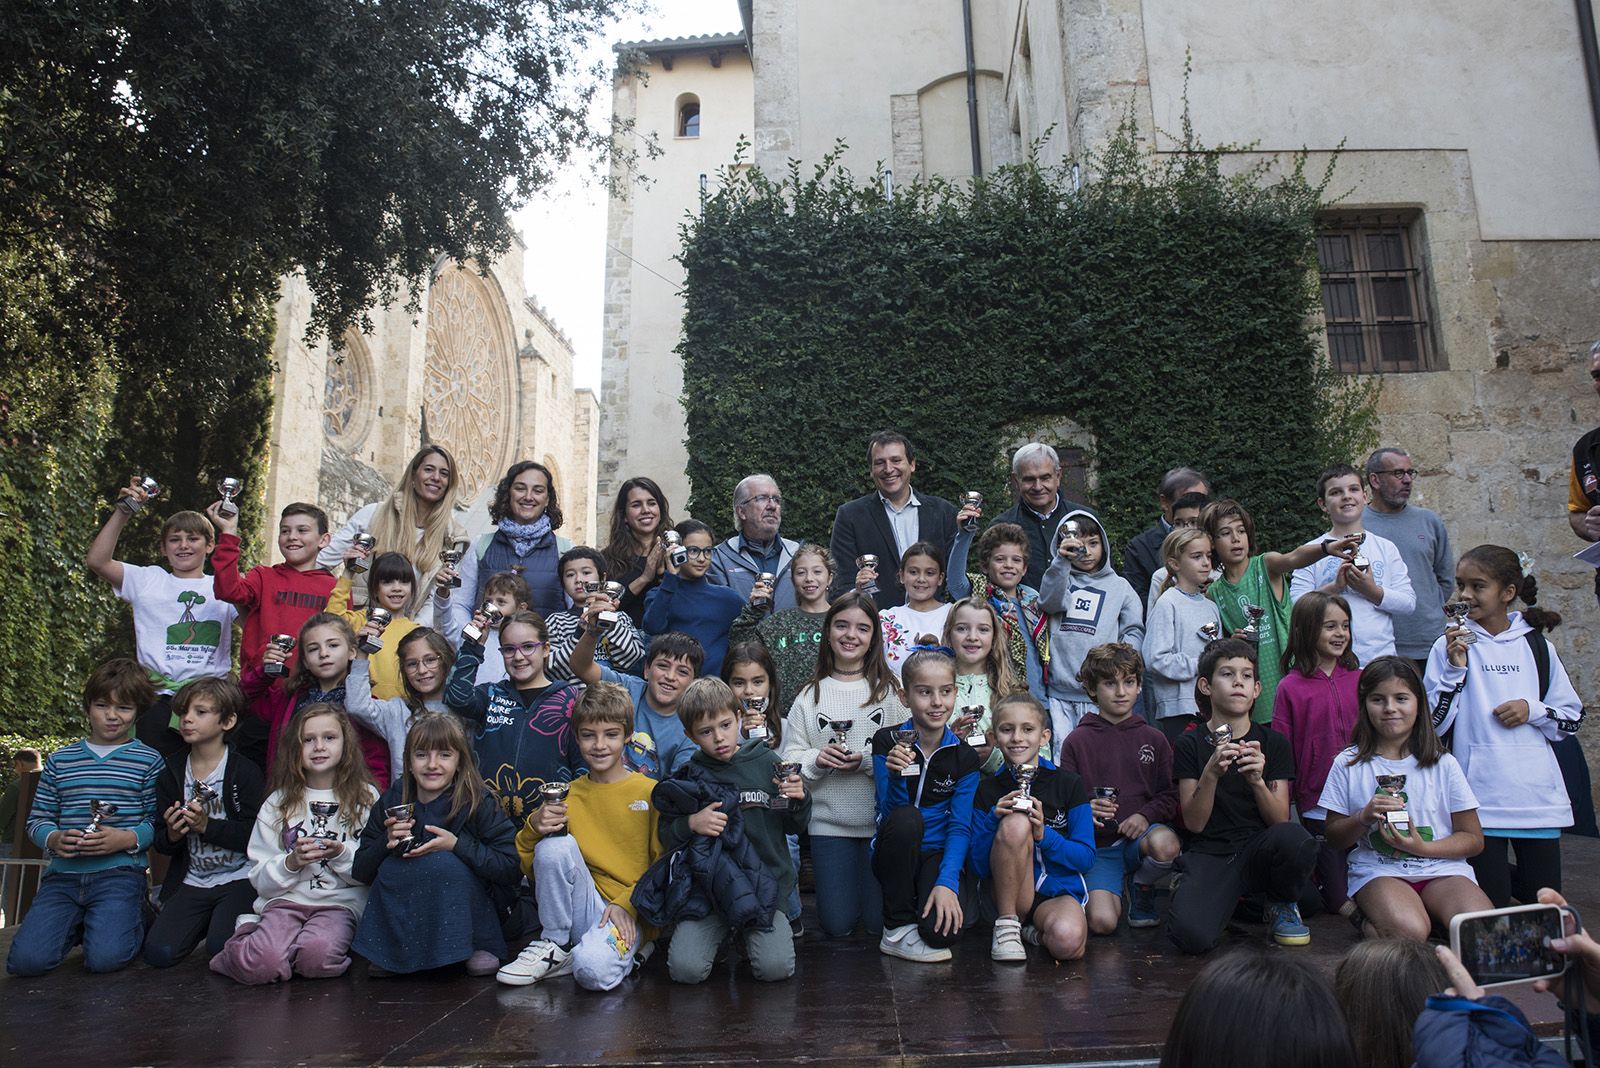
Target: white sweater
{"type": "Point", "coordinates": [1371, 625]}
{"type": "Point", "coordinates": [1510, 769]}
{"type": "Point", "coordinates": [329, 883]}
{"type": "Point", "coordinates": [843, 803]}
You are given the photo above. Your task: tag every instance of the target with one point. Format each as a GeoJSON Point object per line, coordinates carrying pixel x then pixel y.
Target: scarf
{"type": "Point", "coordinates": [524, 536]}
{"type": "Point", "coordinates": [310, 695]}
{"type": "Point", "coordinates": [1022, 620]}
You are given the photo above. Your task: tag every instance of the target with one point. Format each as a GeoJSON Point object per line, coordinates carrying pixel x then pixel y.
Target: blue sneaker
{"type": "Point", "coordinates": [1287, 927]}
{"type": "Point", "coordinates": [1142, 905]}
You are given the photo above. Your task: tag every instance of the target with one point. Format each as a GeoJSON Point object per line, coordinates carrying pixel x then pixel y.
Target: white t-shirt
{"type": "Point", "coordinates": [211, 865]}
{"type": "Point", "coordinates": [1430, 794]}
{"type": "Point", "coordinates": [183, 629]}
{"type": "Point", "coordinates": [903, 625]}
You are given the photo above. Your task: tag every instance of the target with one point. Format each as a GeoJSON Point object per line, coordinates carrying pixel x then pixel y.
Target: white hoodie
{"type": "Point", "coordinates": [1512, 770]}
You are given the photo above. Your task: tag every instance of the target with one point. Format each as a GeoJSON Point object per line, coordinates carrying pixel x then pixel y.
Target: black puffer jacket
{"type": "Point", "coordinates": [705, 875]}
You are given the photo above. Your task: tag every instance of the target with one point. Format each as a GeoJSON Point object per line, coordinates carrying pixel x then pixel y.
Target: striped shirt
{"type": "Point", "coordinates": [74, 776]}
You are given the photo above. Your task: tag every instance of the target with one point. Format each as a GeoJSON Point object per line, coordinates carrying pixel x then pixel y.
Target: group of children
{"type": "Point", "coordinates": [1024, 759]}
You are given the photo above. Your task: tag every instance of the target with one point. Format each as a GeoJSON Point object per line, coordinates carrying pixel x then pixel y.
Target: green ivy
{"type": "Point", "coordinates": [1166, 307]}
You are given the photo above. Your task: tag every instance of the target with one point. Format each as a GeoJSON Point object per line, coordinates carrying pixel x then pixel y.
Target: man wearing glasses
{"type": "Point", "coordinates": [757, 547]}
{"type": "Point", "coordinates": [1424, 545]}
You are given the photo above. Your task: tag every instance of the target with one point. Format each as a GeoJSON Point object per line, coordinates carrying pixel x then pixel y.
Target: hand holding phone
{"type": "Point", "coordinates": [1500, 947]}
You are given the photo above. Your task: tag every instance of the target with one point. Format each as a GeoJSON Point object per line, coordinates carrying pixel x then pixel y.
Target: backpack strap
{"type": "Point", "coordinates": [1540, 647]}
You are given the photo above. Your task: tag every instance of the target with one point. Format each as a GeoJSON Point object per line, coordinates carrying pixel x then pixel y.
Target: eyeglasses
{"type": "Point", "coordinates": [425, 662]}
{"type": "Point", "coordinates": [699, 552]}
{"type": "Point", "coordinates": [525, 648]}
{"type": "Point", "coordinates": [1400, 472]}
{"type": "Point", "coordinates": [765, 498]}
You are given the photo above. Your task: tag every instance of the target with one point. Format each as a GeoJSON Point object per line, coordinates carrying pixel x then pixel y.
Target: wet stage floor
{"type": "Point", "coordinates": [847, 1004]}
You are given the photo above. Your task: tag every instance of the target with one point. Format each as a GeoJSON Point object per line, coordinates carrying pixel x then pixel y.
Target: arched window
{"type": "Point", "coordinates": [688, 115]}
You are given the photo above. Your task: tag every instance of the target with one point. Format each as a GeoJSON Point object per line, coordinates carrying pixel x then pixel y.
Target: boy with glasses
{"type": "Point", "coordinates": [1424, 546]}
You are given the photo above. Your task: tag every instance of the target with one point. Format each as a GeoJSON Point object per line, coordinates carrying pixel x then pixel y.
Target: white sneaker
{"type": "Point", "coordinates": [907, 944]}
{"type": "Point", "coordinates": [541, 960]}
{"type": "Point", "coordinates": [1007, 942]}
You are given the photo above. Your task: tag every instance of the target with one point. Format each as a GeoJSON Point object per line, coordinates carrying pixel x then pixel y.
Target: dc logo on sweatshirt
{"type": "Point", "coordinates": [1083, 610]}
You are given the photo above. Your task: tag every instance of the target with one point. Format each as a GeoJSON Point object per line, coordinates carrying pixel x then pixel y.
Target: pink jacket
{"type": "Point", "coordinates": [1316, 713]}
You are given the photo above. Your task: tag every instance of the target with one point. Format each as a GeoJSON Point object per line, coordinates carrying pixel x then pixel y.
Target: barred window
{"type": "Point", "coordinates": [1374, 296]}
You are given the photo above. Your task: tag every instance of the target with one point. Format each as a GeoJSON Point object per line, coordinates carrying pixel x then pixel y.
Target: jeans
{"type": "Point", "coordinates": [848, 894]}
{"type": "Point", "coordinates": [104, 910]}
{"type": "Point", "coordinates": [791, 907]}
{"type": "Point", "coordinates": [694, 945]}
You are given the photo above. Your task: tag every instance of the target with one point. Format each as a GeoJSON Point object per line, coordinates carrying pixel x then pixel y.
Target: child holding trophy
{"type": "Point", "coordinates": [425, 662]}
{"type": "Point", "coordinates": [391, 586]}
{"type": "Point", "coordinates": [1003, 561]}
{"type": "Point", "coordinates": [829, 730]}
{"type": "Point", "coordinates": [1496, 680]}
{"type": "Point", "coordinates": [1033, 833]}
{"type": "Point", "coordinates": [95, 813]}
{"type": "Point", "coordinates": [687, 602]}
{"type": "Point", "coordinates": [1404, 803]}
{"type": "Point", "coordinates": [301, 852]}
{"type": "Point", "coordinates": [926, 777]}
{"type": "Point", "coordinates": [182, 629]}
{"type": "Point", "coordinates": [792, 635]}
{"type": "Point", "coordinates": [437, 851]}
{"type": "Point", "coordinates": [974, 633]}
{"type": "Point", "coordinates": [504, 595]}
{"type": "Point", "coordinates": [583, 577]}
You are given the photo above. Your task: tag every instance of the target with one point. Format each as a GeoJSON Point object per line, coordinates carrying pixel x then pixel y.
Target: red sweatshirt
{"type": "Point", "coordinates": [1132, 756]}
{"type": "Point", "coordinates": [271, 600]}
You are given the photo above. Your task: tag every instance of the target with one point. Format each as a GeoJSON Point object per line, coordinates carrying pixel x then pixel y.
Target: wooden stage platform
{"type": "Point", "coordinates": [848, 1004]}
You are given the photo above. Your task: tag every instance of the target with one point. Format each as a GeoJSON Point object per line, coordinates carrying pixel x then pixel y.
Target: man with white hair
{"type": "Point", "coordinates": [757, 514]}
{"type": "Point", "coordinates": [1040, 507]}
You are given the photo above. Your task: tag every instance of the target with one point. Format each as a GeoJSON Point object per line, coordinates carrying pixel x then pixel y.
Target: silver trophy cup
{"type": "Point", "coordinates": [1024, 774]}
{"type": "Point", "coordinates": [613, 592]}
{"type": "Point", "coordinates": [201, 793]}
{"type": "Point", "coordinates": [99, 811]}
{"type": "Point", "coordinates": [975, 734]}
{"type": "Point", "coordinates": [402, 812]}
{"type": "Point", "coordinates": [151, 489]}
{"type": "Point", "coordinates": [769, 580]}
{"type": "Point", "coordinates": [286, 643]}
{"type": "Point", "coordinates": [1253, 614]}
{"type": "Point", "coordinates": [554, 793]}
{"type": "Point", "coordinates": [1209, 631]}
{"type": "Point", "coordinates": [908, 738]}
{"type": "Point", "coordinates": [451, 558]}
{"type": "Point", "coordinates": [870, 561]}
{"type": "Point", "coordinates": [675, 550]}
{"type": "Point", "coordinates": [973, 499]}
{"type": "Point", "coordinates": [365, 541]}
{"type": "Point", "coordinates": [1074, 530]}
{"type": "Point", "coordinates": [1394, 786]}
{"type": "Point", "coordinates": [756, 706]}
{"type": "Point", "coordinates": [382, 617]}
{"type": "Point", "coordinates": [781, 771]}
{"type": "Point", "coordinates": [1220, 737]}
{"type": "Point", "coordinates": [228, 489]}
{"type": "Point", "coordinates": [1458, 612]}
{"type": "Point", "coordinates": [840, 729]}
{"type": "Point", "coordinates": [491, 616]}
{"type": "Point", "coordinates": [1359, 562]}
{"type": "Point", "coordinates": [321, 813]}
{"type": "Point", "coordinates": [1107, 793]}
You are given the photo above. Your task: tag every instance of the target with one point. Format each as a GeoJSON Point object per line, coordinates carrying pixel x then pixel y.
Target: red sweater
{"type": "Point", "coordinates": [1132, 756]}
{"type": "Point", "coordinates": [271, 600]}
{"type": "Point", "coordinates": [1317, 714]}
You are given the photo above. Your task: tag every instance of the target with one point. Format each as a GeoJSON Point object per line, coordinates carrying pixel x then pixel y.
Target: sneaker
{"type": "Point", "coordinates": [797, 927]}
{"type": "Point", "coordinates": [1031, 935]}
{"type": "Point", "coordinates": [1007, 942]}
{"type": "Point", "coordinates": [1142, 905]}
{"type": "Point", "coordinates": [541, 960]}
{"type": "Point", "coordinates": [482, 963]}
{"type": "Point", "coordinates": [1287, 927]}
{"type": "Point", "coordinates": [907, 944]}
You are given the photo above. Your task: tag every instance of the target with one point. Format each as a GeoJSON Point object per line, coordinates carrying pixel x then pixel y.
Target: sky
{"type": "Point", "coordinates": [565, 227]}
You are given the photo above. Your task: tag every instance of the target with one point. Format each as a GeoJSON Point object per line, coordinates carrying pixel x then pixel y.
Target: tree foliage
{"type": "Point", "coordinates": [1168, 308]}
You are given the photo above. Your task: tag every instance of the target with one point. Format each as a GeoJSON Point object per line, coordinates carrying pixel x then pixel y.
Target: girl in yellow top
{"type": "Point", "coordinates": [391, 583]}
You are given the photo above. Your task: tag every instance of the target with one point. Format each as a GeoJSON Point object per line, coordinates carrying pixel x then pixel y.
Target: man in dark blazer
{"type": "Point", "coordinates": [887, 521]}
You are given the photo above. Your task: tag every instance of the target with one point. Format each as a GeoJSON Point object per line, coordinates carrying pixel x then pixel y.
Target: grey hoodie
{"type": "Point", "coordinates": [1086, 609]}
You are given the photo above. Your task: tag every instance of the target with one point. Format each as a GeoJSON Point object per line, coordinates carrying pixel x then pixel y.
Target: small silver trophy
{"type": "Point", "coordinates": [1215, 575]}
{"type": "Point", "coordinates": [1220, 737]}
{"type": "Point", "coordinates": [781, 771]}
{"type": "Point", "coordinates": [1074, 530]}
{"type": "Point", "coordinates": [202, 793]}
{"type": "Point", "coordinates": [286, 643]}
{"type": "Point", "coordinates": [769, 580]}
{"type": "Point", "coordinates": [363, 540]}
{"type": "Point", "coordinates": [229, 489]}
{"type": "Point", "coordinates": [1458, 612]}
{"type": "Point", "coordinates": [1024, 774]}
{"type": "Point", "coordinates": [1359, 562]}
{"type": "Point", "coordinates": [1210, 631]}
{"type": "Point", "coordinates": [491, 616]}
{"type": "Point", "coordinates": [756, 706]}
{"type": "Point", "coordinates": [321, 813]}
{"type": "Point", "coordinates": [675, 550]}
{"type": "Point", "coordinates": [841, 732]}
{"type": "Point", "coordinates": [99, 811]}
{"type": "Point", "coordinates": [401, 813]}
{"type": "Point", "coordinates": [613, 592]}
{"type": "Point", "coordinates": [1253, 614]}
{"type": "Point", "coordinates": [451, 558]}
{"type": "Point", "coordinates": [975, 734]}
{"type": "Point", "coordinates": [1107, 793]}
{"type": "Point", "coordinates": [869, 561]}
{"type": "Point", "coordinates": [382, 617]}
{"type": "Point", "coordinates": [972, 499]}
{"type": "Point", "coordinates": [1394, 786]}
{"type": "Point", "coordinates": [555, 793]}
{"type": "Point", "coordinates": [907, 736]}
{"type": "Point", "coordinates": [151, 488]}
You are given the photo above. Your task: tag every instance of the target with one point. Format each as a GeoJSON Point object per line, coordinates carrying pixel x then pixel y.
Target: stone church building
{"type": "Point", "coordinates": [1460, 260]}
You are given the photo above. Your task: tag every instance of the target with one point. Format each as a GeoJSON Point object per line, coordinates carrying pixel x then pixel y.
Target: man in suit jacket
{"type": "Point", "coordinates": [888, 521]}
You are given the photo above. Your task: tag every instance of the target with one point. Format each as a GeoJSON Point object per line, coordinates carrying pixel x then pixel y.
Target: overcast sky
{"type": "Point", "coordinates": [565, 229]}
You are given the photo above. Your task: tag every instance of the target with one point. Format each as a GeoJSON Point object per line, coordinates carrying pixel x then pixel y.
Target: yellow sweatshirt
{"type": "Point", "coordinates": [616, 829]}
{"type": "Point", "coordinates": [384, 665]}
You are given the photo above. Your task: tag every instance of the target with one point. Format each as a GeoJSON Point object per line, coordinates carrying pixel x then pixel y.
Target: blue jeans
{"type": "Point", "coordinates": [791, 907]}
{"type": "Point", "coordinates": [848, 894]}
{"type": "Point", "coordinates": [104, 910]}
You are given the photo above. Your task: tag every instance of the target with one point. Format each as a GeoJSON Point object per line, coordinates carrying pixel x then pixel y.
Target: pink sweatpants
{"type": "Point", "coordinates": [312, 941]}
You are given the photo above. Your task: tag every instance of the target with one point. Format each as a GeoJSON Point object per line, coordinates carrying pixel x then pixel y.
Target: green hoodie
{"type": "Point", "coordinates": [750, 772]}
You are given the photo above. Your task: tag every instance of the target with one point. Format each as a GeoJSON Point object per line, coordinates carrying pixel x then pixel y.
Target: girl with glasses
{"type": "Point", "coordinates": [687, 602]}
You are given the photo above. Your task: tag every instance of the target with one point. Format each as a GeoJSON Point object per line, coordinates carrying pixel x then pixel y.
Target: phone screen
{"type": "Point", "coordinates": [1511, 946]}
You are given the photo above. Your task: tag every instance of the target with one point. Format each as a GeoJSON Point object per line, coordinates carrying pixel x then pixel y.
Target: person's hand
{"type": "Point", "coordinates": [1408, 841]}
{"type": "Point", "coordinates": [1462, 985]}
{"type": "Point", "coordinates": [1005, 806]}
{"type": "Point", "coordinates": [176, 819]}
{"type": "Point", "coordinates": [1363, 582]}
{"type": "Point", "coordinates": [946, 910]}
{"type": "Point", "coordinates": [1591, 523]}
{"type": "Point", "coordinates": [709, 821]}
{"type": "Point", "coordinates": [1456, 645]}
{"type": "Point", "coordinates": [225, 524]}
{"type": "Point", "coordinates": [792, 788]}
{"type": "Point", "coordinates": [354, 553]}
{"type": "Point", "coordinates": [962, 725]}
{"type": "Point", "coordinates": [480, 623]}
{"type": "Point", "coordinates": [444, 581]}
{"type": "Point", "coordinates": [1222, 758]}
{"type": "Point", "coordinates": [616, 914]}
{"type": "Point", "coordinates": [550, 817]}
{"type": "Point", "coordinates": [1377, 809]}
{"type": "Point", "coordinates": [273, 654]}
{"type": "Point", "coordinates": [832, 756]}
{"type": "Point", "coordinates": [443, 841]}
{"type": "Point", "coordinates": [655, 560]}
{"type": "Point", "coordinates": [371, 629]}
{"type": "Point", "coordinates": [970, 513]}
{"type": "Point", "coordinates": [751, 720]}
{"type": "Point", "coordinates": [1344, 547]}
{"type": "Point", "coordinates": [107, 841]}
{"type": "Point", "coordinates": [762, 590]}
{"type": "Point", "coordinates": [1104, 810]}
{"type": "Point", "coordinates": [64, 843]}
{"type": "Point", "coordinates": [1132, 827]}
{"type": "Point", "coordinates": [134, 493]}
{"type": "Point", "coordinates": [672, 568]}
{"type": "Point", "coordinates": [399, 830]}
{"type": "Point", "coordinates": [197, 817]}
{"type": "Point", "coordinates": [1513, 713]}
{"type": "Point", "coordinates": [1251, 761]}
{"type": "Point", "coordinates": [1036, 818]}
{"type": "Point", "coordinates": [1068, 549]}
{"type": "Point", "coordinates": [308, 851]}
{"type": "Point", "coordinates": [865, 577]}
{"type": "Point", "coordinates": [1578, 946]}
{"type": "Point", "coordinates": [899, 757]}
{"type": "Point", "coordinates": [591, 616]}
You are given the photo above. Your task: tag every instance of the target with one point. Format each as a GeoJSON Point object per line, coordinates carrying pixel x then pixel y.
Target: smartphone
{"type": "Point", "coordinates": [1510, 945]}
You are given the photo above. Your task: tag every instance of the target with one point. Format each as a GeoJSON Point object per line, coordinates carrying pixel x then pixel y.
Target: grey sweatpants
{"type": "Point", "coordinates": [695, 942]}
{"type": "Point", "coordinates": [570, 908]}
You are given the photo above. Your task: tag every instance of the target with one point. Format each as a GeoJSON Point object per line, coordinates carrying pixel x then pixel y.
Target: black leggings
{"type": "Point", "coordinates": [1538, 865]}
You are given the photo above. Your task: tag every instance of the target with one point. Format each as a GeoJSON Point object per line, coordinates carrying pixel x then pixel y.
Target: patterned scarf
{"type": "Point", "coordinates": [1032, 624]}
{"type": "Point", "coordinates": [524, 536]}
